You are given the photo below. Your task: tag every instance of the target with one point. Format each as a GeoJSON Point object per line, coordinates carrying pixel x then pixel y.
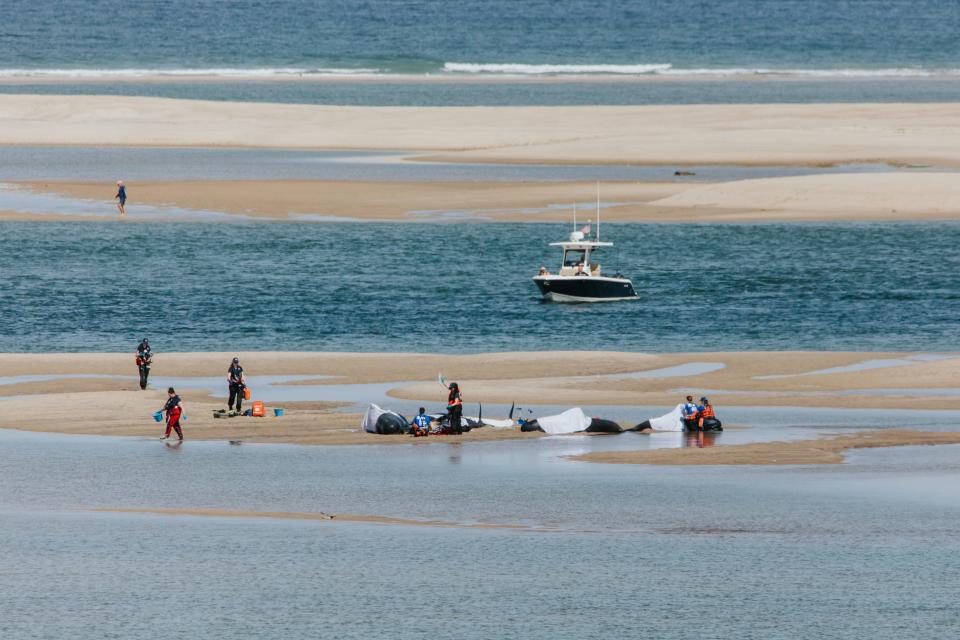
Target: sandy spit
{"type": "Point", "coordinates": [802, 452]}
{"type": "Point", "coordinates": [671, 134]}
{"type": "Point", "coordinates": [326, 517]}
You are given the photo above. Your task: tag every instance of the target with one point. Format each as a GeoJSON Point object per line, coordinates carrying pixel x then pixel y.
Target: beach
{"type": "Point", "coordinates": [96, 394]}
{"type": "Point", "coordinates": [912, 148]}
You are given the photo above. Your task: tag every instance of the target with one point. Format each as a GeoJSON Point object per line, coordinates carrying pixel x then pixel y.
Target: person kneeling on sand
{"type": "Point", "coordinates": [421, 423]}
{"type": "Point", "coordinates": [174, 411]}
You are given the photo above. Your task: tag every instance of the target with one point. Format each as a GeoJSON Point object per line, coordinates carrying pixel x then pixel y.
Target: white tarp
{"type": "Point", "coordinates": [369, 422]}
{"type": "Point", "coordinates": [570, 421]}
{"type": "Point", "coordinates": [672, 421]}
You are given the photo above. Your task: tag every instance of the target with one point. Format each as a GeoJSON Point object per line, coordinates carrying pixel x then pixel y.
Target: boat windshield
{"type": "Point", "coordinates": [573, 257]}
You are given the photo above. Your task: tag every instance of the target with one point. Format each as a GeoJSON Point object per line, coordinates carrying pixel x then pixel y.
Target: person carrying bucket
{"type": "Point", "coordinates": [174, 411]}
{"type": "Point", "coordinates": [237, 384]}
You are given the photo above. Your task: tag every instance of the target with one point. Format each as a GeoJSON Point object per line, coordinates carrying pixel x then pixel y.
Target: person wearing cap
{"type": "Point", "coordinates": [121, 197]}
{"type": "Point", "coordinates": [455, 408]}
{"type": "Point", "coordinates": [237, 383]}
{"type": "Point", "coordinates": [174, 410]}
{"type": "Point", "coordinates": [144, 357]}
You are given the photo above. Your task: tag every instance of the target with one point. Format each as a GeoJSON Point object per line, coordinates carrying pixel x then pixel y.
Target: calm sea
{"type": "Point", "coordinates": [865, 551]}
{"type": "Point", "coordinates": [872, 47]}
{"type": "Point", "coordinates": [466, 287]}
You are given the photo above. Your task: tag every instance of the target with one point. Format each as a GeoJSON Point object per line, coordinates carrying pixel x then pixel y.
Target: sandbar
{"type": "Point", "coordinates": [97, 393]}
{"type": "Point", "coordinates": [792, 134]}
{"type": "Point", "coordinates": [882, 196]}
{"type": "Point", "coordinates": [801, 452]}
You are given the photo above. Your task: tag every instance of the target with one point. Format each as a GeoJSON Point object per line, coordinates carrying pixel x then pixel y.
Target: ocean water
{"type": "Point", "coordinates": [482, 37]}
{"type": "Point", "coordinates": [730, 90]}
{"type": "Point", "coordinates": [467, 287]}
{"type": "Point", "coordinates": [865, 550]}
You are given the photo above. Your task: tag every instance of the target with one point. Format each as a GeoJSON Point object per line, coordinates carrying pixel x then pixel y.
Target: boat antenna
{"type": "Point", "coordinates": [598, 211]}
{"type": "Point", "coordinates": [574, 216]}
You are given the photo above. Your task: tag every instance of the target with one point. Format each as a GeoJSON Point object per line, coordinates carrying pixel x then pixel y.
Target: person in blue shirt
{"type": "Point", "coordinates": [691, 413]}
{"type": "Point", "coordinates": [421, 423]}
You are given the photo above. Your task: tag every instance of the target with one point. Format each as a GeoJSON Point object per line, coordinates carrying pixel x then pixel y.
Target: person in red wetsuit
{"type": "Point", "coordinates": [174, 410]}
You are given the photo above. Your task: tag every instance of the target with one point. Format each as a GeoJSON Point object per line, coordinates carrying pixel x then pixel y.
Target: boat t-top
{"type": "Point", "coordinates": [580, 279]}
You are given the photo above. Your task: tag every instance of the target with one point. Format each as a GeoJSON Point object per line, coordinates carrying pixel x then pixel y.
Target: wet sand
{"type": "Point", "coordinates": [837, 197]}
{"type": "Point", "coordinates": [323, 517]}
{"type": "Point", "coordinates": [97, 404]}
{"type": "Point", "coordinates": [803, 452]}
{"type": "Point", "coordinates": [684, 134]}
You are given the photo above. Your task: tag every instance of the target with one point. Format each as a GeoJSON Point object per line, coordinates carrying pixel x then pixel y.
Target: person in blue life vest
{"type": "Point", "coordinates": [421, 423]}
{"type": "Point", "coordinates": [691, 413]}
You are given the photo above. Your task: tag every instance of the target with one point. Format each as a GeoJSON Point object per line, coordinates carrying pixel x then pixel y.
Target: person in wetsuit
{"type": "Point", "coordinates": [144, 357]}
{"type": "Point", "coordinates": [455, 408]}
{"type": "Point", "coordinates": [121, 197]}
{"type": "Point", "coordinates": [174, 411]}
{"type": "Point", "coordinates": [237, 383]}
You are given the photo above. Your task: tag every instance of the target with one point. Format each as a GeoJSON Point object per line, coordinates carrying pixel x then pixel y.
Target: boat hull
{"type": "Point", "coordinates": [585, 288]}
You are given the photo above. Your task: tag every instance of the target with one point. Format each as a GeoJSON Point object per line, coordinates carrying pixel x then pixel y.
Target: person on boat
{"type": "Point", "coordinates": [421, 423]}
{"type": "Point", "coordinates": [121, 197]}
{"type": "Point", "coordinates": [144, 357]}
{"type": "Point", "coordinates": [174, 410]}
{"type": "Point", "coordinates": [691, 414]}
{"type": "Point", "coordinates": [455, 408]}
{"type": "Point", "coordinates": [543, 271]}
{"type": "Point", "coordinates": [237, 382]}
{"type": "Point", "coordinates": [580, 271]}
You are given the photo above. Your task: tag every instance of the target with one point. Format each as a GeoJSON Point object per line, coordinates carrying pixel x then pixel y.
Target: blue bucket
{"type": "Point", "coordinates": [158, 416]}
{"type": "Point", "coordinates": [278, 412]}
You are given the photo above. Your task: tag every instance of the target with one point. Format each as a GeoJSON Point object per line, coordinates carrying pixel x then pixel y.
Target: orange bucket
{"type": "Point", "coordinates": [246, 393]}
{"type": "Point", "coordinates": [257, 410]}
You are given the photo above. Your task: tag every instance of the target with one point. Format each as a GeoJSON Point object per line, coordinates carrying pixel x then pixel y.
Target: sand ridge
{"type": "Point", "coordinates": [800, 452]}
{"type": "Point", "coordinates": [671, 134]}
{"type": "Point", "coordinates": [105, 405]}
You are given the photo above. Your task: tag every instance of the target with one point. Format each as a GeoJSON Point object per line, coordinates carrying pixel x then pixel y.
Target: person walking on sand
{"type": "Point", "coordinates": [121, 197]}
{"type": "Point", "coordinates": [237, 382]}
{"type": "Point", "coordinates": [174, 411]}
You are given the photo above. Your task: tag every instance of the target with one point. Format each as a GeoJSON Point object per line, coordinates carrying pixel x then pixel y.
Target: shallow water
{"type": "Point", "coordinates": [455, 288]}
{"type": "Point", "coordinates": [864, 550]}
{"type": "Point", "coordinates": [37, 163]}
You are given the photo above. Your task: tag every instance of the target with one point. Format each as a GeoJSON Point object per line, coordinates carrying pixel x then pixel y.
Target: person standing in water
{"type": "Point", "coordinates": [121, 197]}
{"type": "Point", "coordinates": [237, 383]}
{"type": "Point", "coordinates": [455, 408]}
{"type": "Point", "coordinates": [174, 411]}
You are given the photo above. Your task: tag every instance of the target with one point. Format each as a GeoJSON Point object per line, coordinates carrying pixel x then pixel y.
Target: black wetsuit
{"type": "Point", "coordinates": [236, 386]}
{"type": "Point", "coordinates": [455, 412]}
{"type": "Point", "coordinates": [143, 363]}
